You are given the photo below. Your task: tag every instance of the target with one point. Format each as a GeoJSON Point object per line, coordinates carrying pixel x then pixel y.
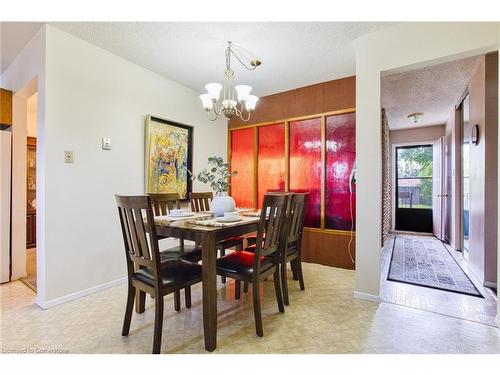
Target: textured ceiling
{"type": "Point", "coordinates": [14, 36]}
{"type": "Point", "coordinates": [292, 54]}
{"type": "Point", "coordinates": [433, 90]}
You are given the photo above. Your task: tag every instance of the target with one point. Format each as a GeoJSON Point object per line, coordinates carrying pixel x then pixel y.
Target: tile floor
{"type": "Point", "coordinates": [452, 304]}
{"type": "Point", "coordinates": [323, 319]}
{"type": "Point", "coordinates": [30, 279]}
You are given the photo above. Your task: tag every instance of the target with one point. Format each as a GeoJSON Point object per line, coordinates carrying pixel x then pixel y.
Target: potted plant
{"type": "Point", "coordinates": [217, 176]}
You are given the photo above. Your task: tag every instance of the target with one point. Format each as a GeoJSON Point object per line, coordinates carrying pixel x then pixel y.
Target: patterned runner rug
{"type": "Point", "coordinates": [425, 261]}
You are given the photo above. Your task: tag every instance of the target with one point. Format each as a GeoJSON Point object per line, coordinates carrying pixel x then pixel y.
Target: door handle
{"type": "Point", "coordinates": [442, 195]}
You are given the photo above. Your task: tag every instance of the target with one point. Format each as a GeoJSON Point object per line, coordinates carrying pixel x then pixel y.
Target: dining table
{"type": "Point", "coordinates": [208, 231]}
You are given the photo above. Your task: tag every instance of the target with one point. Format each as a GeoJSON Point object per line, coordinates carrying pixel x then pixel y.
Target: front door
{"type": "Point", "coordinates": [414, 198]}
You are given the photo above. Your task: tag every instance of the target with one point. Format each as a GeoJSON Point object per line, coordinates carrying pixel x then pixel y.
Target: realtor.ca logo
{"type": "Point", "coordinates": [34, 350]}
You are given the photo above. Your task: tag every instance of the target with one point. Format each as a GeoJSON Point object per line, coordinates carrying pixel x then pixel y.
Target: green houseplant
{"type": "Point", "coordinates": [217, 176]}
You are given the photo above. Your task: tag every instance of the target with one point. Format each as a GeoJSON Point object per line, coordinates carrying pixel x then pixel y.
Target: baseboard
{"type": "Point", "coordinates": [70, 297]}
{"type": "Point", "coordinates": [366, 297]}
{"type": "Point", "coordinates": [490, 284]}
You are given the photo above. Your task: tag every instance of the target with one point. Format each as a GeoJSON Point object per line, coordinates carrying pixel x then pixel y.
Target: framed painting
{"type": "Point", "coordinates": [169, 155]}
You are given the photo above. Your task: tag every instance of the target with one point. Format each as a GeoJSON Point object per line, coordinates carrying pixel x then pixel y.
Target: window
{"type": "Point", "coordinates": [414, 177]}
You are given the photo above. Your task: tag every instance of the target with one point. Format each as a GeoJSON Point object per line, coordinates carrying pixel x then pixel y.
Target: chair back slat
{"type": "Point", "coordinates": [130, 220]}
{"type": "Point", "coordinates": [163, 203]}
{"type": "Point", "coordinates": [296, 216]}
{"type": "Point", "coordinates": [201, 201]}
{"type": "Point", "coordinates": [139, 233]}
{"type": "Point", "coordinates": [272, 220]}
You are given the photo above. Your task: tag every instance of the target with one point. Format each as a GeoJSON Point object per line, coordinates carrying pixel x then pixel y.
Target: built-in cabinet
{"type": "Point", "coordinates": [314, 154]}
{"type": "Point", "coordinates": [31, 193]}
{"type": "Point", "coordinates": [303, 140]}
{"type": "Point", "coordinates": [5, 108]}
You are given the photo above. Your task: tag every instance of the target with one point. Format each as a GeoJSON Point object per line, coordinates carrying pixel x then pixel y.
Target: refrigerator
{"type": "Point", "coordinates": [5, 202]}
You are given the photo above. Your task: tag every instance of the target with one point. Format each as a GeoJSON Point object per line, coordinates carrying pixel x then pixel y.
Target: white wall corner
{"type": "Point", "coordinates": [82, 293]}
{"type": "Point", "coordinates": [366, 297]}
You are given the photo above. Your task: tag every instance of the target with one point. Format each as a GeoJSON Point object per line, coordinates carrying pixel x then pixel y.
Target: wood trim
{"type": "Point", "coordinates": [323, 172]}
{"type": "Point", "coordinates": [330, 231]}
{"type": "Point", "coordinates": [255, 168]}
{"type": "Point", "coordinates": [287, 156]}
{"type": "Point", "coordinates": [318, 98]}
{"type": "Point", "coordinates": [308, 117]}
{"type": "Point", "coordinates": [228, 154]}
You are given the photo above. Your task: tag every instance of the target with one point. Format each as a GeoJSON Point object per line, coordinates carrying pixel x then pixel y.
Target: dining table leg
{"type": "Point", "coordinates": [209, 256]}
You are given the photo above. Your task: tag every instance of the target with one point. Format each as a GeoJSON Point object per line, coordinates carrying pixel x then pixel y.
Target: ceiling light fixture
{"type": "Point", "coordinates": [415, 117]}
{"type": "Point", "coordinates": [228, 99]}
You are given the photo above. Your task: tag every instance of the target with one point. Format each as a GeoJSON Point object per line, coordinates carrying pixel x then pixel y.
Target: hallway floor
{"type": "Point", "coordinates": [325, 318]}
{"type": "Point", "coordinates": [480, 310]}
{"type": "Point", "coordinates": [30, 279]}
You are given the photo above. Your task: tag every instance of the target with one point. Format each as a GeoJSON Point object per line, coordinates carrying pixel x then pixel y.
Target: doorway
{"type": "Point", "coordinates": [414, 184]}
{"type": "Point", "coordinates": [31, 144]}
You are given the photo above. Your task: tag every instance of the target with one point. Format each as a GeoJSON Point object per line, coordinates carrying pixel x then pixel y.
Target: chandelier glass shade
{"type": "Point", "coordinates": [228, 99]}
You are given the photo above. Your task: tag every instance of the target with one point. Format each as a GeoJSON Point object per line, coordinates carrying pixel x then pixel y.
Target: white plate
{"type": "Point", "coordinates": [184, 214]}
{"type": "Point", "coordinates": [228, 219]}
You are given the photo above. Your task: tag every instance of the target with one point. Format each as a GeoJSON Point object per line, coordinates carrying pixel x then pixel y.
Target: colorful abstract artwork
{"type": "Point", "coordinates": [242, 161]}
{"type": "Point", "coordinates": [305, 166]}
{"type": "Point", "coordinates": [168, 157]}
{"type": "Point", "coordinates": [271, 160]}
{"type": "Point", "coordinates": [340, 159]}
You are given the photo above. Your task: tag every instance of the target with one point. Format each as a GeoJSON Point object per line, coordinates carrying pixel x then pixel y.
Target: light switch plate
{"type": "Point", "coordinates": [69, 157]}
{"type": "Point", "coordinates": [106, 143]}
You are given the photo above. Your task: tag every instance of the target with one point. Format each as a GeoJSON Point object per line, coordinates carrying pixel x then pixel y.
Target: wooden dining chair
{"type": "Point", "coordinates": [253, 267]}
{"type": "Point", "coordinates": [162, 204]}
{"type": "Point", "coordinates": [292, 239]}
{"type": "Point", "coordinates": [147, 271]}
{"type": "Point", "coordinates": [201, 202]}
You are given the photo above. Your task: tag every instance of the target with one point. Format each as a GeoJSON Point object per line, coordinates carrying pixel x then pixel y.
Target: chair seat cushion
{"type": "Point", "coordinates": [175, 273]}
{"type": "Point", "coordinates": [230, 242]}
{"type": "Point", "coordinates": [190, 252]}
{"type": "Point", "coordinates": [241, 263]}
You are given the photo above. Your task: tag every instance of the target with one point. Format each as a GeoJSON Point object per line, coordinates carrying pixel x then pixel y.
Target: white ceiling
{"type": "Point", "coordinates": [14, 36]}
{"type": "Point", "coordinates": [433, 90]}
{"type": "Point", "coordinates": [293, 54]}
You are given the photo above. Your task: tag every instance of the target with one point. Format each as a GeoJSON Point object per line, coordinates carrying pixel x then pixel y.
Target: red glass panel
{"type": "Point", "coordinates": [340, 160]}
{"type": "Point", "coordinates": [271, 165]}
{"type": "Point", "coordinates": [242, 150]}
{"type": "Point", "coordinates": [305, 166]}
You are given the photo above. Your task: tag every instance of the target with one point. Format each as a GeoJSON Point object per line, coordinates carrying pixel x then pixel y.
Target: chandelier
{"type": "Point", "coordinates": [228, 99]}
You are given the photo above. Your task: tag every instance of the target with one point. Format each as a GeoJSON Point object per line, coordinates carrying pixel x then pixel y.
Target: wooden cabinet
{"type": "Point", "coordinates": [31, 193]}
{"type": "Point", "coordinates": [30, 230]}
{"type": "Point", "coordinates": [5, 108]}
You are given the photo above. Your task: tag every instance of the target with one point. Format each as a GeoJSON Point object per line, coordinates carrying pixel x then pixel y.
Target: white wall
{"type": "Point", "coordinates": [92, 93]}
{"type": "Point", "coordinates": [402, 46]}
{"type": "Point", "coordinates": [85, 93]}
{"type": "Point", "coordinates": [424, 134]}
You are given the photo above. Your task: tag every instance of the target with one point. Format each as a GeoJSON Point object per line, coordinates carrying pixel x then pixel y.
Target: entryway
{"type": "Point", "coordinates": [436, 149]}
{"type": "Point", "coordinates": [413, 188]}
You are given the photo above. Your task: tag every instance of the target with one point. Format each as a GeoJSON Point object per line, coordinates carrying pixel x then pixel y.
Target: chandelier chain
{"type": "Point", "coordinates": [227, 102]}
